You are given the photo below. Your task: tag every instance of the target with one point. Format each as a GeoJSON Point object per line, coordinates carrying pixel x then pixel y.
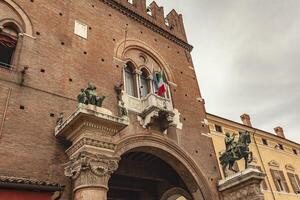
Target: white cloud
{"type": "Point", "coordinates": [247, 58]}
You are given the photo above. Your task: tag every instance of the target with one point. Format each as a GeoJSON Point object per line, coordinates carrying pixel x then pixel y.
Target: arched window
{"type": "Point", "coordinates": [130, 80]}
{"type": "Point", "coordinates": [144, 86]}
{"type": "Point", "coordinates": [8, 43]}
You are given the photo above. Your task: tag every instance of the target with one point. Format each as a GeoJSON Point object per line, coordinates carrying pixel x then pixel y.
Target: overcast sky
{"type": "Point", "coordinates": [247, 58]}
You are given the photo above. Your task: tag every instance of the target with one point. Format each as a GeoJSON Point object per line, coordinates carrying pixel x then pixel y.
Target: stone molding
{"type": "Point", "coordinates": [90, 142]}
{"type": "Point", "coordinates": [147, 23]}
{"type": "Point", "coordinates": [91, 117]}
{"type": "Point", "coordinates": [242, 185]}
{"type": "Point", "coordinates": [273, 163]}
{"type": "Point", "coordinates": [290, 167]}
{"type": "Point", "coordinates": [28, 28]}
{"type": "Point", "coordinates": [124, 46]}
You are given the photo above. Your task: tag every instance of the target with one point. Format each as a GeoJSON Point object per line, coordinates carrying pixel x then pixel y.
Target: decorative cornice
{"type": "Point", "coordinates": [90, 142]}
{"type": "Point", "coordinates": [147, 23]}
{"type": "Point", "coordinates": [273, 163]}
{"type": "Point", "coordinates": [289, 167]}
{"type": "Point", "coordinates": [28, 184]}
{"type": "Point", "coordinates": [85, 112]}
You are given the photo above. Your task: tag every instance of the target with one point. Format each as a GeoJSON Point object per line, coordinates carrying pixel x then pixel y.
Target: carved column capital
{"type": "Point", "coordinates": [91, 170]}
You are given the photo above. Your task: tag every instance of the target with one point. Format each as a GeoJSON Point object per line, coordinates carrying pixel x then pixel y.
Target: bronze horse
{"type": "Point", "coordinates": [241, 151]}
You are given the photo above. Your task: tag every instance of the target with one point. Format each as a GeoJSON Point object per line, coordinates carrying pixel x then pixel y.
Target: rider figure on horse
{"type": "Point", "coordinates": [230, 145]}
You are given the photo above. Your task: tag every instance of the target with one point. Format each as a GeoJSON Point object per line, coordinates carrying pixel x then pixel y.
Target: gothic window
{"type": "Point", "coordinates": [8, 42]}
{"type": "Point", "coordinates": [145, 83]}
{"type": "Point", "coordinates": [279, 180]}
{"type": "Point", "coordinates": [130, 80]}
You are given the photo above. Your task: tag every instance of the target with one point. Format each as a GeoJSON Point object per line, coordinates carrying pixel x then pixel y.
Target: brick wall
{"type": "Point", "coordinates": [28, 141]}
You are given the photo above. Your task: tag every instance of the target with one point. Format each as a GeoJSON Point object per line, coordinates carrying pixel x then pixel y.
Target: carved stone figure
{"type": "Point", "coordinates": [89, 96]}
{"type": "Point", "coordinates": [60, 119]}
{"type": "Point", "coordinates": [123, 109]}
{"type": "Point", "coordinates": [236, 151]}
{"type": "Point", "coordinates": [118, 89]}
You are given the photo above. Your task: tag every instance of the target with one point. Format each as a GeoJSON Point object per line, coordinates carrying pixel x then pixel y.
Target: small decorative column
{"type": "Point", "coordinates": [244, 185]}
{"type": "Point", "coordinates": [90, 174]}
{"type": "Point", "coordinates": [138, 74]}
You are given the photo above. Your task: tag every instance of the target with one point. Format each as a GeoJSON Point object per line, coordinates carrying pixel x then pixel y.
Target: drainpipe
{"type": "Point", "coordinates": [264, 168]}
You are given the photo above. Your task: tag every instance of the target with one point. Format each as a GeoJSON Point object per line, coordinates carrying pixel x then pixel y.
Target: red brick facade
{"type": "Point", "coordinates": [60, 63]}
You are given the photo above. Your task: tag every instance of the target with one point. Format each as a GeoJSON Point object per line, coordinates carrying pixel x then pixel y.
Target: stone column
{"type": "Point", "coordinates": [90, 174]}
{"type": "Point", "coordinates": [244, 185]}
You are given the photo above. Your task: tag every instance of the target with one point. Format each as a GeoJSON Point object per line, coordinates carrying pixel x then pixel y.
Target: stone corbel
{"type": "Point", "coordinates": [165, 118]}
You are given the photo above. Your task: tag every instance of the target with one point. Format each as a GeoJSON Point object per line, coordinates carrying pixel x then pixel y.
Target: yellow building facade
{"type": "Point", "coordinates": [273, 154]}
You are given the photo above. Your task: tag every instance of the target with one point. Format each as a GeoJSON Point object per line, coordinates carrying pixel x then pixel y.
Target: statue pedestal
{"type": "Point", "coordinates": [89, 131]}
{"type": "Point", "coordinates": [242, 185]}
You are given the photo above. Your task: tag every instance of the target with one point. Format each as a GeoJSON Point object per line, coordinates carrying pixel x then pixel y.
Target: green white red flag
{"type": "Point", "coordinates": [159, 82]}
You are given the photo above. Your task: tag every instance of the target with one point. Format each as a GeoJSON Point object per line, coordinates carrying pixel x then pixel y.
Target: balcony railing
{"type": "Point", "coordinates": [145, 103]}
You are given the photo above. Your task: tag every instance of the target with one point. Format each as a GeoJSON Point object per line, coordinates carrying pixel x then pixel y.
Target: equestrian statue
{"type": "Point", "coordinates": [236, 151]}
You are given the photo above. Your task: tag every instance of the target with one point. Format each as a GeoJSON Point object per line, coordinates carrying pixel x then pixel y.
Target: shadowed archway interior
{"type": "Point", "coordinates": [143, 176]}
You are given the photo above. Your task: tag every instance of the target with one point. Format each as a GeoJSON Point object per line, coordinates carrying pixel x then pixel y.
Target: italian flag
{"type": "Point", "coordinates": [159, 82]}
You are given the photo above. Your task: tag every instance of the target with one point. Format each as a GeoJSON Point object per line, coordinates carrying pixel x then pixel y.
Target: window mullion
{"type": "Point", "coordinates": [138, 82]}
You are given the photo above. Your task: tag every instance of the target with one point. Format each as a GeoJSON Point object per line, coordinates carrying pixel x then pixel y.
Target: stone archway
{"type": "Point", "coordinates": [144, 176]}
{"type": "Point", "coordinates": [174, 156]}
{"type": "Point", "coordinates": [18, 16]}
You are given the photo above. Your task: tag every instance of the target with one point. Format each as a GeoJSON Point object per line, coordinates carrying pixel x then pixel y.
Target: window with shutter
{"type": "Point", "coordinates": [284, 183]}
{"type": "Point", "coordinates": [263, 183]}
{"type": "Point", "coordinates": [279, 180]}
{"type": "Point", "coordinates": [294, 180]}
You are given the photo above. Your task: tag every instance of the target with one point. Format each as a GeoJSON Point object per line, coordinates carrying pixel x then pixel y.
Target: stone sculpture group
{"type": "Point", "coordinates": [89, 96]}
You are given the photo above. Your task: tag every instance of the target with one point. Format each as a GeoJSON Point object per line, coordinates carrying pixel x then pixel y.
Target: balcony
{"type": "Point", "coordinates": [153, 111]}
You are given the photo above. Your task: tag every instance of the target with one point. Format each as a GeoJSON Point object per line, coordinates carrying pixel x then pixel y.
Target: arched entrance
{"type": "Point", "coordinates": [145, 176]}
{"type": "Point", "coordinates": [188, 175]}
